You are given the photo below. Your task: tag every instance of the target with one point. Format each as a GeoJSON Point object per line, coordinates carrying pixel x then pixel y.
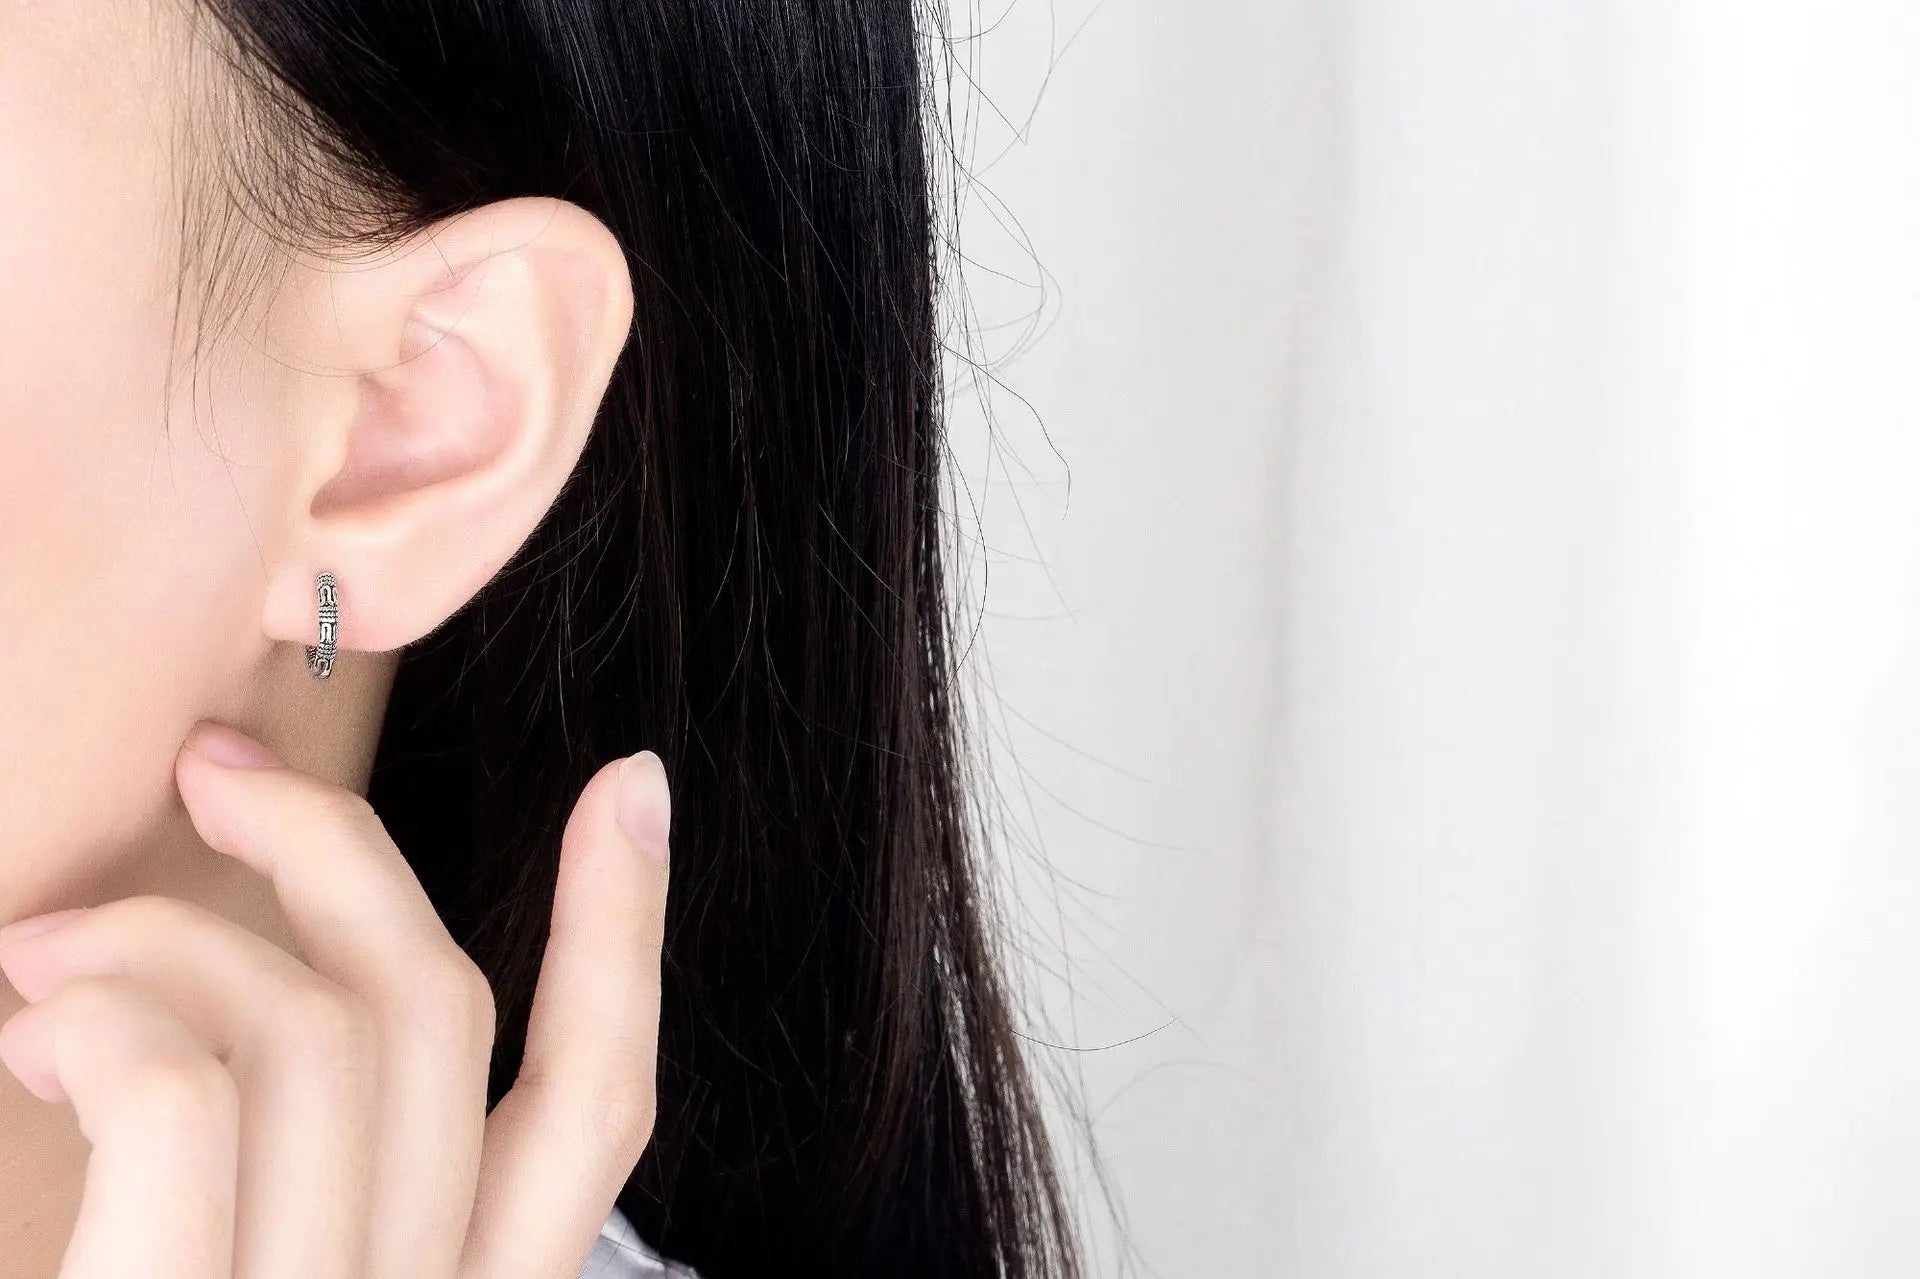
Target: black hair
{"type": "Point", "coordinates": [745, 574]}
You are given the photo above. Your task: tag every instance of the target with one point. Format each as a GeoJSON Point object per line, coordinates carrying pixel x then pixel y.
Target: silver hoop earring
{"type": "Point", "coordinates": [320, 655]}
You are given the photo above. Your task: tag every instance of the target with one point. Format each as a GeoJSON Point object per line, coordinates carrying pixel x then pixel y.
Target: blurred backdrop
{"type": "Point", "coordinates": [1434, 488]}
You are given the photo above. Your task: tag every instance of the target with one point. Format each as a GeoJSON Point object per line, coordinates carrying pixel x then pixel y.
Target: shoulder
{"type": "Point", "coordinates": [619, 1254]}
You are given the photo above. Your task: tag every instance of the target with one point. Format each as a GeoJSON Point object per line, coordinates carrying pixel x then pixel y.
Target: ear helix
{"type": "Point", "coordinates": [320, 655]}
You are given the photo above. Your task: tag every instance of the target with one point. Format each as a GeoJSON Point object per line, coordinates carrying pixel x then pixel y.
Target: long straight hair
{"type": "Point", "coordinates": [745, 574]}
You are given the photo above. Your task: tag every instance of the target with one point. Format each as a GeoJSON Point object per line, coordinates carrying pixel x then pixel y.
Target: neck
{"type": "Point", "coordinates": [330, 730]}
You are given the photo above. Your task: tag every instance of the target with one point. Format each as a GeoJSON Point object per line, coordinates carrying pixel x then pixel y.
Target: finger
{"type": "Point", "coordinates": [301, 1049]}
{"type": "Point", "coordinates": [564, 1139]}
{"type": "Point", "coordinates": [363, 921]}
{"type": "Point", "coordinates": [163, 1116]}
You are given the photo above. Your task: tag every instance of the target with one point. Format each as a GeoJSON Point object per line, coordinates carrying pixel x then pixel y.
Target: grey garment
{"type": "Point", "coordinates": [619, 1254]}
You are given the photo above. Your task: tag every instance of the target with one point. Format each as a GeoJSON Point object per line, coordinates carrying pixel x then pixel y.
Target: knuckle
{"type": "Point", "coordinates": [181, 1092]}
{"type": "Point", "coordinates": [627, 1108]}
{"type": "Point", "coordinates": [477, 998]}
{"type": "Point", "coordinates": [463, 980]}
{"type": "Point", "coordinates": [155, 1075]}
{"type": "Point", "coordinates": [152, 913]}
{"type": "Point", "coordinates": [327, 1023]}
{"type": "Point", "coordinates": [335, 813]}
{"type": "Point", "coordinates": [345, 812]}
{"type": "Point", "coordinates": [98, 1005]}
{"type": "Point", "coordinates": [453, 999]}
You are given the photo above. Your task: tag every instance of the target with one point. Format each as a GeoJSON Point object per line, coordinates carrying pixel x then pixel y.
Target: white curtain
{"type": "Point", "coordinates": [1460, 731]}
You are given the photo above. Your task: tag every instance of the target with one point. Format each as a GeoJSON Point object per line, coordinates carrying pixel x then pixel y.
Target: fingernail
{"type": "Point", "coordinates": [231, 747]}
{"type": "Point", "coordinates": [644, 808]}
{"type": "Point", "coordinates": [34, 925]}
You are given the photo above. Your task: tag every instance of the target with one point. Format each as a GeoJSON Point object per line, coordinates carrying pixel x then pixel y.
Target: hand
{"type": "Point", "coordinates": [256, 1116]}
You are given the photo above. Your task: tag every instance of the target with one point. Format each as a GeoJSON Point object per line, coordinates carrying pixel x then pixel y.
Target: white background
{"type": "Point", "coordinates": [1448, 567]}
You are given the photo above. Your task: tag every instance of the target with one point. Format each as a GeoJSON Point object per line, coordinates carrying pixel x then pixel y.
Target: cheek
{"type": "Point", "coordinates": [127, 564]}
{"type": "Point", "coordinates": [128, 583]}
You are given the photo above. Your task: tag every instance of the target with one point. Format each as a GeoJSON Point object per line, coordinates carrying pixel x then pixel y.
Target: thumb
{"type": "Point", "coordinates": [564, 1139]}
{"type": "Point", "coordinates": [600, 975]}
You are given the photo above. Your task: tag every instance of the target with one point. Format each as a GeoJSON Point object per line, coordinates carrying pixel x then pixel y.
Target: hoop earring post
{"type": "Point", "coordinates": [320, 655]}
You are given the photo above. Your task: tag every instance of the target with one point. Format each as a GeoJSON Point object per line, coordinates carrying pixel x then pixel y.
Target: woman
{"type": "Point", "coordinates": [556, 380]}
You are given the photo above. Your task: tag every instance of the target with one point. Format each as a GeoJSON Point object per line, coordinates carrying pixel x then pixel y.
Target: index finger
{"type": "Point", "coordinates": [363, 920]}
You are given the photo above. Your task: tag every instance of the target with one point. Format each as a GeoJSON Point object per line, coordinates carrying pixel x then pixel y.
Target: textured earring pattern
{"type": "Point", "coordinates": [320, 655]}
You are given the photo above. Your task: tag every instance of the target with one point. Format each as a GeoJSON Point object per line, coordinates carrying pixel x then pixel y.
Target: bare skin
{"type": "Point", "coordinates": [257, 1052]}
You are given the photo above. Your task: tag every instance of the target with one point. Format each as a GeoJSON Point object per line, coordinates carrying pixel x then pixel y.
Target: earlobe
{"type": "Point", "coordinates": [481, 352]}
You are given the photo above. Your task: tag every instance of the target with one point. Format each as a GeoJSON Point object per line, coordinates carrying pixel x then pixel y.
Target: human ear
{"type": "Point", "coordinates": [461, 374]}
